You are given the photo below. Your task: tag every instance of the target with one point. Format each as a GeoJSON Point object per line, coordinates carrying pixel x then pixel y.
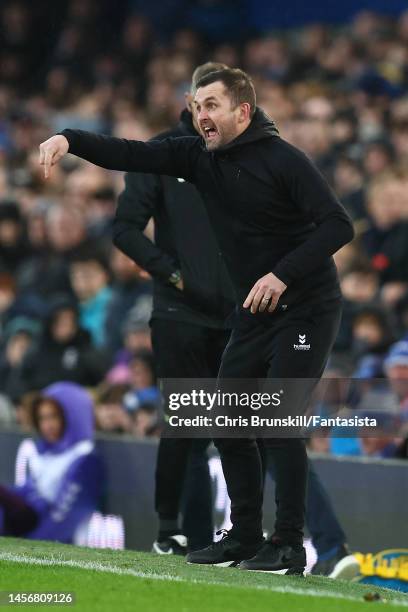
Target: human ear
{"type": "Point", "coordinates": [244, 112]}
{"type": "Point", "coordinates": [189, 101]}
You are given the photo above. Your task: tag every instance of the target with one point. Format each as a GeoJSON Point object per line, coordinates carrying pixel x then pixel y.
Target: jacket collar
{"type": "Point", "coordinates": [261, 127]}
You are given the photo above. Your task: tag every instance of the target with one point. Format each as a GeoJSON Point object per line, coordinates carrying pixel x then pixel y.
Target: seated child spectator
{"type": "Point", "coordinates": [64, 475]}
{"type": "Point", "coordinates": [19, 338]}
{"type": "Point", "coordinates": [111, 416]}
{"type": "Point", "coordinates": [372, 337]}
{"type": "Point", "coordinates": [89, 274]}
{"type": "Point", "coordinates": [65, 351]}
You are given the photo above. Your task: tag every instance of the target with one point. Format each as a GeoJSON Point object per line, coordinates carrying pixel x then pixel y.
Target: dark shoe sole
{"type": "Point", "coordinates": [296, 569]}
{"type": "Point", "coordinates": [221, 564]}
{"type": "Point", "coordinates": [292, 571]}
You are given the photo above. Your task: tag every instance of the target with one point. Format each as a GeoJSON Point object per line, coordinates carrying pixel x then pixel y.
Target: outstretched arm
{"type": "Point", "coordinates": [172, 156]}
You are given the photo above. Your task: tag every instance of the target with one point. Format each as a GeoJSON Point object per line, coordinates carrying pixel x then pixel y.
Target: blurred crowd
{"type": "Point", "coordinates": [74, 308]}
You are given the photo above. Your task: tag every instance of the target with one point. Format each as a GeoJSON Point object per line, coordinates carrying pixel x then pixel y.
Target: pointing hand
{"type": "Point", "coordinates": [51, 151]}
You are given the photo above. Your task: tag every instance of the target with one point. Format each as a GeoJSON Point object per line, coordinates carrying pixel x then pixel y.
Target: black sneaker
{"type": "Point", "coordinates": [172, 545]}
{"type": "Point", "coordinates": [227, 552]}
{"type": "Point", "coordinates": [325, 567]}
{"type": "Point", "coordinates": [275, 556]}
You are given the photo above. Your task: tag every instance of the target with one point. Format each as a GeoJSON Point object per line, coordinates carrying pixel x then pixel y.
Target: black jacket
{"type": "Point", "coordinates": [76, 359]}
{"type": "Point", "coordinates": [183, 240]}
{"type": "Point", "coordinates": [270, 208]}
{"type": "Point", "coordinates": [388, 250]}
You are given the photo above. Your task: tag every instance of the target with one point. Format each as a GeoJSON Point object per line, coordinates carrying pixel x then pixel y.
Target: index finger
{"type": "Point", "coordinates": [47, 163]}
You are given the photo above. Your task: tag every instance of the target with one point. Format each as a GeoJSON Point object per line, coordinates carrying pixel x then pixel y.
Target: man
{"type": "Point", "coordinates": [191, 301]}
{"type": "Point", "coordinates": [188, 330]}
{"type": "Point", "coordinates": [277, 224]}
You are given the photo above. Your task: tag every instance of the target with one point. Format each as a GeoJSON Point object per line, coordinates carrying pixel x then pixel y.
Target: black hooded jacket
{"type": "Point", "coordinates": [75, 359]}
{"type": "Point", "coordinates": [270, 208]}
{"type": "Point", "coordinates": [183, 240]}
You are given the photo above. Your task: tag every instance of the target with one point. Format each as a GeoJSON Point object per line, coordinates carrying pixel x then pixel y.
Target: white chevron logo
{"type": "Point", "coordinates": [302, 346]}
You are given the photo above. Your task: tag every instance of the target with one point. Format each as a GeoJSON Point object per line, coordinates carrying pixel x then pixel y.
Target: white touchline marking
{"type": "Point", "coordinates": [112, 569]}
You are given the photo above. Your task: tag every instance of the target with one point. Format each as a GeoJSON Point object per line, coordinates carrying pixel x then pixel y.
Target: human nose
{"type": "Point", "coordinates": [202, 114]}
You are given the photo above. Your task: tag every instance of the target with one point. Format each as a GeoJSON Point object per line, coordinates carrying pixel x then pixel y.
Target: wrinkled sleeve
{"type": "Point", "coordinates": [172, 156]}
{"type": "Point", "coordinates": [311, 195]}
{"type": "Point", "coordinates": [137, 204]}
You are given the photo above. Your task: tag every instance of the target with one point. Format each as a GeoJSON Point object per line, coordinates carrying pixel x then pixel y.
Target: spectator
{"type": "Point", "coordinates": [89, 273]}
{"type": "Point", "coordinates": [378, 157]}
{"type": "Point", "coordinates": [7, 298]}
{"type": "Point", "coordinates": [381, 441]}
{"type": "Point", "coordinates": [359, 284]}
{"type": "Point", "coordinates": [20, 335]}
{"type": "Point", "coordinates": [396, 368]}
{"type": "Point", "coordinates": [392, 439]}
{"type": "Point", "coordinates": [111, 416]}
{"type": "Point", "coordinates": [128, 286]}
{"type": "Point", "coordinates": [349, 183]}
{"type": "Point", "coordinates": [46, 272]}
{"type": "Point", "coordinates": [13, 243]}
{"type": "Point", "coordinates": [143, 401]}
{"type": "Point", "coordinates": [372, 337]}
{"type": "Point", "coordinates": [146, 422]}
{"type": "Point", "coordinates": [386, 241]}
{"type": "Point", "coordinates": [64, 352]}
{"type": "Point", "coordinates": [136, 336]}
{"type": "Point", "coordinates": [64, 475]}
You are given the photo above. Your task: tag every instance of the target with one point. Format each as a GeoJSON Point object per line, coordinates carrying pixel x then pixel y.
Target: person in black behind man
{"type": "Point", "coordinates": [278, 224]}
{"type": "Point", "coordinates": [192, 298]}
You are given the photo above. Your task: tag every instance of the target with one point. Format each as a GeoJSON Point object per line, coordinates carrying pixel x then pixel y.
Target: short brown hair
{"type": "Point", "coordinates": [202, 71]}
{"type": "Point", "coordinates": [238, 84]}
{"type": "Point", "coordinates": [37, 400]}
{"type": "Point", "coordinates": [111, 393]}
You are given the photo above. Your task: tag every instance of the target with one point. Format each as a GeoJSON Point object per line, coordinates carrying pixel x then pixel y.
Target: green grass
{"type": "Point", "coordinates": [119, 581]}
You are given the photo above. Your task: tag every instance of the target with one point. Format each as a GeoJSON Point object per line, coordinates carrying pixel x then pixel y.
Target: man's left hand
{"type": "Point", "coordinates": [265, 294]}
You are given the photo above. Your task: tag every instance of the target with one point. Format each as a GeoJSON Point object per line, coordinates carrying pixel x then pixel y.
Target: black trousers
{"type": "Point", "coordinates": [185, 350]}
{"type": "Point", "coordinates": [258, 350]}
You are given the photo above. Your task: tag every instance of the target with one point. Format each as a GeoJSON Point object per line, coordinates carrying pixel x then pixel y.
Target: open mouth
{"type": "Point", "coordinates": [209, 132]}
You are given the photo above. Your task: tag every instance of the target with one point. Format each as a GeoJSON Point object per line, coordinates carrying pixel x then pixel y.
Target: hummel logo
{"type": "Point", "coordinates": [302, 346]}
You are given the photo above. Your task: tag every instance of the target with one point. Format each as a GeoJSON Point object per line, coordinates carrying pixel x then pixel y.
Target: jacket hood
{"type": "Point", "coordinates": [63, 302]}
{"type": "Point", "coordinates": [261, 127]}
{"type": "Point", "coordinates": [77, 406]}
{"type": "Point", "coordinates": [55, 306]}
{"type": "Point", "coordinates": [185, 124]}
{"type": "Point", "coordinates": [184, 127]}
